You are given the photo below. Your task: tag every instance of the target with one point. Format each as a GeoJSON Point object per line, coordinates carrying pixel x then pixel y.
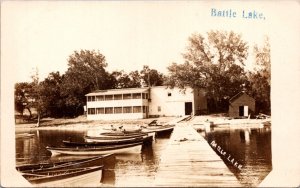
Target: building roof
{"type": "Point", "coordinates": [238, 95]}
{"type": "Point", "coordinates": [118, 91]}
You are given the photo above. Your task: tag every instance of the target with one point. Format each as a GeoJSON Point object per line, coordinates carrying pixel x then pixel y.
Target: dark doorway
{"type": "Point", "coordinates": [241, 111]}
{"type": "Point", "coordinates": [188, 108]}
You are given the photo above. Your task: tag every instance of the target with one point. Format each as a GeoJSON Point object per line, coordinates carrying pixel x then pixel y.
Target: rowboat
{"type": "Point", "coordinates": [64, 177]}
{"type": "Point", "coordinates": [97, 150]}
{"type": "Point", "coordinates": [98, 142]}
{"type": "Point", "coordinates": [121, 129]}
{"type": "Point", "coordinates": [122, 134]}
{"type": "Point", "coordinates": [112, 137]}
{"type": "Point", "coordinates": [79, 163]}
{"type": "Point", "coordinates": [157, 129]}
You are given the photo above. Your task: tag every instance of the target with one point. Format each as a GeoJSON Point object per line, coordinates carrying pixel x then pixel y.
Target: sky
{"type": "Point", "coordinates": [130, 34]}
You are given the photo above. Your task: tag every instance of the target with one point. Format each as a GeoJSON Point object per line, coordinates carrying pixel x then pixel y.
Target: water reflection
{"type": "Point", "coordinates": [249, 147]}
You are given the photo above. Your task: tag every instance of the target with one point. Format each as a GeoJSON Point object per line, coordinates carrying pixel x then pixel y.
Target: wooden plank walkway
{"type": "Point", "coordinates": [189, 161]}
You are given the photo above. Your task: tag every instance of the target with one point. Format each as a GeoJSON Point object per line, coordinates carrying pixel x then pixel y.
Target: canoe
{"type": "Point", "coordinates": [62, 176]}
{"type": "Point", "coordinates": [97, 150]}
{"type": "Point", "coordinates": [79, 163]}
{"type": "Point", "coordinates": [98, 142]}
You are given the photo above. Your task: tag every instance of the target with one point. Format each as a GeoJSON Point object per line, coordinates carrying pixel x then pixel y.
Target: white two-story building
{"type": "Point", "coordinates": [138, 103]}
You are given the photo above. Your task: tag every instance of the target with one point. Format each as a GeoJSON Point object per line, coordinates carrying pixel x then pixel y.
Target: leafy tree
{"type": "Point", "coordinates": [51, 93]}
{"type": "Point", "coordinates": [86, 73]}
{"type": "Point", "coordinates": [135, 79]}
{"type": "Point", "coordinates": [23, 99]}
{"type": "Point", "coordinates": [260, 78]}
{"type": "Point", "coordinates": [151, 77]}
{"type": "Point", "coordinates": [38, 100]}
{"type": "Point", "coordinates": [214, 63]}
{"type": "Point", "coordinates": [123, 80]}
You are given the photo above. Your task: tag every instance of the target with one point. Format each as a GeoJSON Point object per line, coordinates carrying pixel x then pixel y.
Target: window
{"type": "Point", "coordinates": [100, 98]}
{"type": "Point", "coordinates": [159, 108]}
{"type": "Point", "coordinates": [127, 96]}
{"type": "Point", "coordinates": [136, 95]}
{"type": "Point", "coordinates": [91, 110]}
{"type": "Point", "coordinates": [118, 97]}
{"type": "Point", "coordinates": [127, 109]}
{"type": "Point", "coordinates": [109, 110]}
{"type": "Point", "coordinates": [145, 95]}
{"type": "Point", "coordinates": [145, 109]}
{"type": "Point", "coordinates": [169, 94]}
{"type": "Point", "coordinates": [91, 98]}
{"type": "Point", "coordinates": [108, 97]}
{"type": "Point", "coordinates": [99, 110]}
{"type": "Point", "coordinates": [118, 110]}
{"type": "Point", "coordinates": [137, 109]}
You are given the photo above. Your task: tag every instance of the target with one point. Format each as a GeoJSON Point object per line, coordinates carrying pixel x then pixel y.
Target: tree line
{"type": "Point", "coordinates": [214, 62]}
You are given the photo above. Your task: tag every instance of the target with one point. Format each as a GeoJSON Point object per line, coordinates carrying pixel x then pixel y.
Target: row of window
{"type": "Point", "coordinates": [118, 110]}
{"type": "Point", "coordinates": [118, 97]}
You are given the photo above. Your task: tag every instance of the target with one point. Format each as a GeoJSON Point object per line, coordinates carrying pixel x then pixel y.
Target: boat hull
{"type": "Point", "coordinates": [126, 148]}
{"type": "Point", "coordinates": [110, 138]}
{"type": "Point", "coordinates": [64, 178]}
{"type": "Point", "coordinates": [99, 142]}
{"type": "Point", "coordinates": [122, 134]}
{"type": "Point", "coordinates": [158, 129]}
{"type": "Point", "coordinates": [48, 167]}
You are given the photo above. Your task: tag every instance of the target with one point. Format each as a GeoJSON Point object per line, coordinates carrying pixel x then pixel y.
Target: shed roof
{"type": "Point", "coordinates": [238, 95]}
{"type": "Point", "coordinates": [118, 91]}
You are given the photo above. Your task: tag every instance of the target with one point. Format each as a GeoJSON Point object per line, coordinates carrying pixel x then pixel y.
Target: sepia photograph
{"type": "Point", "coordinates": [149, 94]}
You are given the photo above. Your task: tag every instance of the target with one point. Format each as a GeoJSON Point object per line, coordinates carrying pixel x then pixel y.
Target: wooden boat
{"type": "Point", "coordinates": [158, 129]}
{"type": "Point", "coordinates": [62, 176]}
{"type": "Point", "coordinates": [123, 134]}
{"type": "Point", "coordinates": [121, 129]}
{"type": "Point", "coordinates": [112, 138]}
{"type": "Point", "coordinates": [79, 163]}
{"type": "Point", "coordinates": [130, 131]}
{"type": "Point", "coordinates": [99, 142]}
{"type": "Point", "coordinates": [97, 150]}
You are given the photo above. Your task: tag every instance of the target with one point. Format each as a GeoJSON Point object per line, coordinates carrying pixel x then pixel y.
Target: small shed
{"type": "Point", "coordinates": [241, 105]}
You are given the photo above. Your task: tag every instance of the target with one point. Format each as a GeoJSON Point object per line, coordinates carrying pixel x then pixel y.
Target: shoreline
{"type": "Point", "coordinates": [81, 123]}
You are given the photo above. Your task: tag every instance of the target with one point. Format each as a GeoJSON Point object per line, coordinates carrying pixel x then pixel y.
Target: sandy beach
{"type": "Point", "coordinates": [81, 123]}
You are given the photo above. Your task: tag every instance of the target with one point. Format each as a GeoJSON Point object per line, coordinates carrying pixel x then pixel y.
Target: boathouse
{"type": "Point", "coordinates": [241, 105]}
{"type": "Point", "coordinates": [138, 103]}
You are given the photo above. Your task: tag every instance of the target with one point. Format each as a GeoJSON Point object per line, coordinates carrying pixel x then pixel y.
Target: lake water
{"type": "Point", "coordinates": [250, 147]}
{"type": "Point", "coordinates": [124, 170]}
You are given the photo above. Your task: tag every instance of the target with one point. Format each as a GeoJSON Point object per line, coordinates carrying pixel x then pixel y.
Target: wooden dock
{"type": "Point", "coordinates": [189, 161]}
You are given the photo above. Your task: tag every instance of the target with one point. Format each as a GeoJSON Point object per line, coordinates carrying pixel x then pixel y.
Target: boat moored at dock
{"type": "Point", "coordinates": [97, 150]}
{"type": "Point", "coordinates": [63, 177]}
{"type": "Point", "coordinates": [96, 141]}
{"type": "Point", "coordinates": [70, 164]}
